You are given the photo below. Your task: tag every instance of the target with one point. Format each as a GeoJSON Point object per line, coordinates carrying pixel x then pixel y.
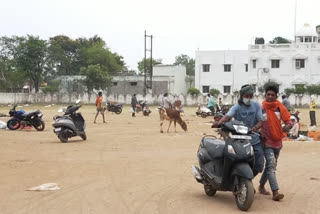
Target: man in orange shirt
{"type": "Point", "coordinates": [99, 107]}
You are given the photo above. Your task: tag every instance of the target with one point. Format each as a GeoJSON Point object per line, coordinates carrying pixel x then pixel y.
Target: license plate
{"type": "Point", "coordinates": [57, 129]}
{"type": "Point", "coordinates": [40, 115]}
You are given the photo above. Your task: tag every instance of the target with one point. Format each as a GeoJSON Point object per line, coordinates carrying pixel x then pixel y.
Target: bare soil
{"type": "Point", "coordinates": [128, 166]}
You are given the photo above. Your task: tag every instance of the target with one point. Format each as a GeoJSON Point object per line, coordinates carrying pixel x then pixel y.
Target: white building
{"type": "Point", "coordinates": [288, 64]}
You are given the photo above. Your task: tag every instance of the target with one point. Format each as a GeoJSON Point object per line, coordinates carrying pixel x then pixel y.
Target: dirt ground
{"type": "Point", "coordinates": [128, 166]}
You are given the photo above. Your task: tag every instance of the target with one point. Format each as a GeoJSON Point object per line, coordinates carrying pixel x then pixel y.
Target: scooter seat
{"type": "Point", "coordinates": [210, 149]}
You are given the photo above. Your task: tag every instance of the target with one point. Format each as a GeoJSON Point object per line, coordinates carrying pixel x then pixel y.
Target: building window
{"type": "Point", "coordinates": [254, 63]}
{"type": "Point", "coordinates": [299, 63]}
{"type": "Point", "coordinates": [227, 68]}
{"type": "Point", "coordinates": [205, 67]}
{"type": "Point", "coordinates": [133, 83]}
{"type": "Point", "coordinates": [115, 83]}
{"type": "Point", "coordinates": [205, 89]}
{"type": "Point", "coordinates": [275, 63]}
{"type": "Point", "coordinates": [246, 67]}
{"type": "Point", "coordinates": [227, 89]}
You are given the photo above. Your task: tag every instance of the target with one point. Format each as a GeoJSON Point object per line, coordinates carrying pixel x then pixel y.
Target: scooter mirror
{"type": "Point", "coordinates": [78, 101]}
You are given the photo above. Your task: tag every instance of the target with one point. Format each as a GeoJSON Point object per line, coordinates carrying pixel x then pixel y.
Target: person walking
{"type": "Point", "coordinates": [286, 102]}
{"type": "Point", "coordinates": [312, 111]}
{"type": "Point", "coordinates": [211, 104]}
{"type": "Point", "coordinates": [99, 107]}
{"type": "Point", "coordinates": [271, 138]}
{"type": "Point", "coordinates": [134, 105]}
{"type": "Point", "coordinates": [248, 112]}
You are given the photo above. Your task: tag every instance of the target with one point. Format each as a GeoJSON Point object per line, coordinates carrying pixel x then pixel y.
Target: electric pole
{"type": "Point", "coordinates": [147, 78]}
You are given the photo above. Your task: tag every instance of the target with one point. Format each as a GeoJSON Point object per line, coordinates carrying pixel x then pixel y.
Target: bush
{"type": "Point", "coordinates": [214, 92]}
{"type": "Point", "coordinates": [313, 89]}
{"type": "Point", "coordinates": [193, 91]}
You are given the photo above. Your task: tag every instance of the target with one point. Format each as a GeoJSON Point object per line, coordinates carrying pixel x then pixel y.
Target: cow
{"type": "Point", "coordinates": [171, 115]}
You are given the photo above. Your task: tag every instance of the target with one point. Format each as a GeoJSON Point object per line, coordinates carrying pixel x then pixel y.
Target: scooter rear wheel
{"type": "Point", "coordinates": [203, 115]}
{"type": "Point", "coordinates": [62, 138]}
{"type": "Point", "coordinates": [209, 190]}
{"type": "Point", "coordinates": [245, 196]}
{"type": "Point", "coordinates": [83, 136]}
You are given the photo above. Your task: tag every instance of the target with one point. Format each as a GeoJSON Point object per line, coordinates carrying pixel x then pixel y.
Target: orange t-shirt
{"type": "Point", "coordinates": [99, 102]}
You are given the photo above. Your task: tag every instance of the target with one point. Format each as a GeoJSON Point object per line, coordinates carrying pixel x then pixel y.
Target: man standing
{"type": "Point", "coordinates": [312, 111]}
{"type": "Point", "coordinates": [134, 105]}
{"type": "Point", "coordinates": [211, 104]}
{"type": "Point", "coordinates": [286, 102]}
{"type": "Point", "coordinates": [248, 112]}
{"type": "Point", "coordinates": [99, 107]}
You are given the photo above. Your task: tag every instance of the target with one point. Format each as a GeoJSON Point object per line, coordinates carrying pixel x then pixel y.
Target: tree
{"type": "Point", "coordinates": [62, 54]}
{"type": "Point", "coordinates": [279, 40]}
{"type": "Point", "coordinates": [10, 77]}
{"type": "Point", "coordinates": [51, 87]}
{"type": "Point", "coordinates": [186, 61]}
{"type": "Point", "coordinates": [313, 89]}
{"type": "Point", "coordinates": [141, 65]}
{"type": "Point", "coordinates": [214, 92]}
{"type": "Point", "coordinates": [31, 57]}
{"type": "Point", "coordinates": [289, 91]}
{"type": "Point", "coordinates": [193, 91]}
{"type": "Point", "coordinates": [95, 78]}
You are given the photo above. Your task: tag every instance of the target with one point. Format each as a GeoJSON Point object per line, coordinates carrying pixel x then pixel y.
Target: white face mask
{"type": "Point", "coordinates": [246, 101]}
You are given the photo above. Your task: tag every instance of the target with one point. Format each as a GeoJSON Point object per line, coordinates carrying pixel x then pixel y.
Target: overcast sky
{"type": "Point", "coordinates": [178, 26]}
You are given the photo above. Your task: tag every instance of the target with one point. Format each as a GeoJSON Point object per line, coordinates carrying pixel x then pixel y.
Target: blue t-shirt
{"type": "Point", "coordinates": [250, 115]}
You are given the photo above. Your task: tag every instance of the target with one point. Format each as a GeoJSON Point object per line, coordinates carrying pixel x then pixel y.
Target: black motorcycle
{"type": "Point", "coordinates": [227, 165]}
{"type": "Point", "coordinates": [69, 125]}
{"type": "Point", "coordinates": [21, 119]}
{"type": "Point", "coordinates": [114, 107]}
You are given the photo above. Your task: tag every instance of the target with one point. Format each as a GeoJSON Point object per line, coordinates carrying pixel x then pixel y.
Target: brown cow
{"type": "Point", "coordinates": [171, 115]}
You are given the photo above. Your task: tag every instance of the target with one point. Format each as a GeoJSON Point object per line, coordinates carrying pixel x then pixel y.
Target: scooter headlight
{"type": "Point", "coordinates": [241, 129]}
{"type": "Point", "coordinates": [231, 150]}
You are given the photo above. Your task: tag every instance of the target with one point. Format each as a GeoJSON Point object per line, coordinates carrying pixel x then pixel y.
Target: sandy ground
{"type": "Point", "coordinates": [127, 166]}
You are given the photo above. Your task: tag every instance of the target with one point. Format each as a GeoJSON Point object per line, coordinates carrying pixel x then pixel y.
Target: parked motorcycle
{"type": "Point", "coordinates": [20, 119]}
{"type": "Point", "coordinates": [227, 165]}
{"type": "Point", "coordinates": [203, 111]}
{"type": "Point", "coordinates": [114, 107]}
{"type": "Point", "coordinates": [142, 106]}
{"type": "Point", "coordinates": [69, 125]}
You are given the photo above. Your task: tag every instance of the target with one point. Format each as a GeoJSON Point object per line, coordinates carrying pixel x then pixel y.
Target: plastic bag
{"type": "Point", "coordinates": [45, 187]}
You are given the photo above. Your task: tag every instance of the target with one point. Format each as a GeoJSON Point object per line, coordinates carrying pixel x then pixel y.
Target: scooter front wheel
{"type": "Point", "coordinates": [245, 195]}
{"type": "Point", "coordinates": [209, 190]}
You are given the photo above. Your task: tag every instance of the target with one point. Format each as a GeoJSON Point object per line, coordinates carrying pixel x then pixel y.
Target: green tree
{"type": "Point", "coordinates": [188, 62]}
{"type": "Point", "coordinates": [10, 77]}
{"type": "Point", "coordinates": [31, 58]}
{"type": "Point", "coordinates": [95, 78]}
{"type": "Point", "coordinates": [279, 40]}
{"type": "Point", "coordinates": [299, 89]}
{"type": "Point", "coordinates": [193, 91]}
{"type": "Point", "coordinates": [62, 54]}
{"type": "Point", "coordinates": [289, 91]}
{"type": "Point", "coordinates": [214, 92]}
{"type": "Point", "coordinates": [51, 87]}
{"type": "Point", "coordinates": [313, 89]}
{"type": "Point", "coordinates": [148, 60]}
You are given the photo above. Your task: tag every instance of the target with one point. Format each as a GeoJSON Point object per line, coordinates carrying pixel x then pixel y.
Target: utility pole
{"type": "Point", "coordinates": [147, 83]}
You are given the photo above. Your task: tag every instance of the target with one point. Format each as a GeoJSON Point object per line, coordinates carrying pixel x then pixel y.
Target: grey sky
{"type": "Point", "coordinates": [178, 26]}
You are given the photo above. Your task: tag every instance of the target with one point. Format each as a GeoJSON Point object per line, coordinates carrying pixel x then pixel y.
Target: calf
{"type": "Point", "coordinates": [171, 115]}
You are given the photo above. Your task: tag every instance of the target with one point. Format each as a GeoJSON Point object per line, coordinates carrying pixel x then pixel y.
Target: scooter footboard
{"type": "Point", "coordinates": [242, 170]}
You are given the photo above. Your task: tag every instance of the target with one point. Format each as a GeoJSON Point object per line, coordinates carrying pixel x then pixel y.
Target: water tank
{"type": "Point", "coordinates": [259, 41]}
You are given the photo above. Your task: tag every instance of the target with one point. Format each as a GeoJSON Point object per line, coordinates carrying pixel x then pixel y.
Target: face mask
{"type": "Point", "coordinates": [246, 101]}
